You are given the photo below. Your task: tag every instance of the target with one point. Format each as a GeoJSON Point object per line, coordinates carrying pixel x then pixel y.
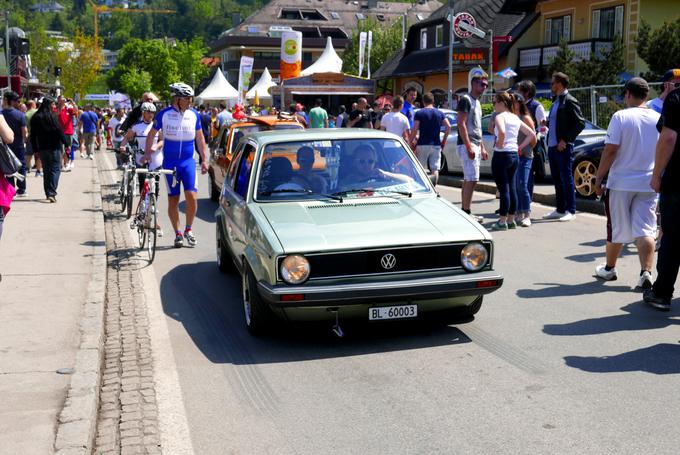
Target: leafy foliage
{"type": "Point", "coordinates": [386, 41]}
{"type": "Point", "coordinates": [81, 66]}
{"type": "Point", "coordinates": [188, 55]}
{"type": "Point", "coordinates": [659, 48]}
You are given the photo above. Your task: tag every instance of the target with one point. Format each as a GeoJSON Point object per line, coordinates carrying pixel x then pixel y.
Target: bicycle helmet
{"type": "Point", "coordinates": [181, 89]}
{"type": "Point", "coordinates": [148, 107]}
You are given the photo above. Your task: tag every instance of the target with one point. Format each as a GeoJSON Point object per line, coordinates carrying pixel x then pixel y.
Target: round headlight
{"type": "Point", "coordinates": [473, 257]}
{"type": "Point", "coordinates": [295, 269]}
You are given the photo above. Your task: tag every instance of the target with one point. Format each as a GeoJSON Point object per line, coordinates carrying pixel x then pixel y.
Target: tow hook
{"type": "Point", "coordinates": [337, 330]}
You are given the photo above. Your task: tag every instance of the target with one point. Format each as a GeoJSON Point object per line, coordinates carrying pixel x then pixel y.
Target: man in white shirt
{"type": "Point", "coordinates": [395, 122]}
{"type": "Point", "coordinates": [630, 203]}
{"type": "Point", "coordinates": [116, 135]}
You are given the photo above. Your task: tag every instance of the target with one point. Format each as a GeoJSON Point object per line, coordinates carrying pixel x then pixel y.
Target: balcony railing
{"type": "Point", "coordinates": [260, 64]}
{"type": "Point", "coordinates": [533, 57]}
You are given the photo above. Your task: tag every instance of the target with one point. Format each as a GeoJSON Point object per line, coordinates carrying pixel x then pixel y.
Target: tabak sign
{"type": "Point", "coordinates": [470, 56]}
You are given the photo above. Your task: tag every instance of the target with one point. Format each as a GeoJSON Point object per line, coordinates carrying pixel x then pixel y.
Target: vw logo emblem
{"type": "Point", "coordinates": [388, 261]}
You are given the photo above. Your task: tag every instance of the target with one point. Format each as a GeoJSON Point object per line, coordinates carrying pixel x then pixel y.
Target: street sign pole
{"type": "Point", "coordinates": [491, 60]}
{"type": "Point", "coordinates": [450, 56]}
{"type": "Point", "coordinates": [7, 55]}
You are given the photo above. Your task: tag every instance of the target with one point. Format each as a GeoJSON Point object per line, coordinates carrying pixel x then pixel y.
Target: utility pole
{"type": "Point", "coordinates": [491, 78]}
{"type": "Point", "coordinates": [7, 51]}
{"type": "Point", "coordinates": [450, 55]}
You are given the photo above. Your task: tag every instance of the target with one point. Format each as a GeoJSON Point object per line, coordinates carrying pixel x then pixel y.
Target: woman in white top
{"type": "Point", "coordinates": [506, 158]}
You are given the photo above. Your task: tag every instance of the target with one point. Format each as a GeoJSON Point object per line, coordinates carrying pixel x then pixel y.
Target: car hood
{"type": "Point", "coordinates": [352, 224]}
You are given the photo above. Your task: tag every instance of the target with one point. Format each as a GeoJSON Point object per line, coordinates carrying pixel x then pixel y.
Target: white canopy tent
{"type": "Point", "coordinates": [328, 62]}
{"type": "Point", "coordinates": [261, 87]}
{"type": "Point", "coordinates": [219, 89]}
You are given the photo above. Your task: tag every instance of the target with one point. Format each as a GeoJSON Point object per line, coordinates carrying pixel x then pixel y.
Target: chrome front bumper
{"type": "Point", "coordinates": [471, 284]}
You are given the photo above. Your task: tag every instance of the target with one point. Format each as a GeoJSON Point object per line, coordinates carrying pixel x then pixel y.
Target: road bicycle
{"type": "Point", "coordinates": [128, 184]}
{"type": "Point", "coordinates": [145, 220]}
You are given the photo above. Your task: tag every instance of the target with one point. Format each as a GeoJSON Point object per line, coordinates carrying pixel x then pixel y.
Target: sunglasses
{"type": "Point", "coordinates": [367, 161]}
{"type": "Point", "coordinates": [483, 84]}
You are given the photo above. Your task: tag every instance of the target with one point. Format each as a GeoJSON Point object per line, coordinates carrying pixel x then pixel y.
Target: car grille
{"type": "Point", "coordinates": [375, 262]}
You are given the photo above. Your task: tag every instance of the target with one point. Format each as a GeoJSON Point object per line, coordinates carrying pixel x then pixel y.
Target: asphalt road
{"type": "Point", "coordinates": [555, 362]}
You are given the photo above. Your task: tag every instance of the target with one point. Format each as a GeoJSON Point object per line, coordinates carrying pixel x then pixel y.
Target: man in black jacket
{"type": "Point", "coordinates": [565, 122]}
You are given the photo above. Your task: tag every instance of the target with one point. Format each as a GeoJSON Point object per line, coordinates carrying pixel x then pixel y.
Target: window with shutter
{"type": "Point", "coordinates": [618, 21]}
{"type": "Point", "coordinates": [566, 32]}
{"type": "Point", "coordinates": [548, 28]}
{"type": "Point", "coordinates": [595, 28]}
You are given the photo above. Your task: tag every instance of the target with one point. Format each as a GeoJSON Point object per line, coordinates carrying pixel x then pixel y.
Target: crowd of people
{"type": "Point", "coordinates": [640, 160]}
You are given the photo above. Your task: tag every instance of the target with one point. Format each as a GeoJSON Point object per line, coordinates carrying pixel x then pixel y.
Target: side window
{"type": "Point", "coordinates": [231, 173]}
{"type": "Point", "coordinates": [224, 134]}
{"type": "Point", "coordinates": [245, 167]}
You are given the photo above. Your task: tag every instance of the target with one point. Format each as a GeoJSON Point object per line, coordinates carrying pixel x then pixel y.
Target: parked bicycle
{"type": "Point", "coordinates": [145, 220]}
{"type": "Point", "coordinates": [128, 184]}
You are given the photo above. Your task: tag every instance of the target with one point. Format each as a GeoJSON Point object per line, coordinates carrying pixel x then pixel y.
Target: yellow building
{"type": "Point", "coordinates": [589, 27]}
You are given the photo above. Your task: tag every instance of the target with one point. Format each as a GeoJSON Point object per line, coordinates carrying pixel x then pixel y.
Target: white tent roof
{"type": "Point", "coordinates": [328, 62]}
{"type": "Point", "coordinates": [262, 86]}
{"type": "Point", "coordinates": [218, 89]}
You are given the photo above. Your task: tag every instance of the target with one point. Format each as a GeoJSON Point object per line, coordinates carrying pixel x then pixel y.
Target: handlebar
{"type": "Point", "coordinates": [157, 171]}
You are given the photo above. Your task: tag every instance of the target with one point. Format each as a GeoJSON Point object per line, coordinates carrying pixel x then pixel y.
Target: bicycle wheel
{"type": "Point", "coordinates": [130, 194]}
{"type": "Point", "coordinates": [121, 192]}
{"type": "Point", "coordinates": [140, 219]}
{"type": "Point", "coordinates": [152, 220]}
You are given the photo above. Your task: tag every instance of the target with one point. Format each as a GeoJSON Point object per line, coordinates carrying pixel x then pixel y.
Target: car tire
{"type": "Point", "coordinates": [474, 307]}
{"type": "Point", "coordinates": [212, 189]}
{"type": "Point", "coordinates": [225, 263]}
{"type": "Point", "coordinates": [585, 172]}
{"type": "Point", "coordinates": [258, 316]}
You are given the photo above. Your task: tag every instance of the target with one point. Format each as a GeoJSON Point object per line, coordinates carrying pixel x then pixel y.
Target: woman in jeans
{"type": "Point", "coordinates": [526, 158]}
{"type": "Point", "coordinates": [47, 137]}
{"type": "Point", "coordinates": [506, 159]}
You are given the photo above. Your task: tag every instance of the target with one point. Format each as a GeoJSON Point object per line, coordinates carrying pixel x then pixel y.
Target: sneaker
{"type": "Point", "coordinates": [179, 241]}
{"type": "Point", "coordinates": [554, 215]}
{"type": "Point", "coordinates": [159, 232]}
{"type": "Point", "coordinates": [38, 174]}
{"type": "Point", "coordinates": [65, 169]}
{"type": "Point", "coordinates": [72, 165]}
{"type": "Point", "coordinates": [512, 225]}
{"type": "Point", "coordinates": [526, 222]}
{"type": "Point", "coordinates": [82, 155]}
{"type": "Point", "coordinates": [567, 217]}
{"type": "Point", "coordinates": [90, 157]}
{"type": "Point", "coordinates": [191, 240]}
{"type": "Point", "coordinates": [499, 226]}
{"type": "Point", "coordinates": [477, 218]}
{"type": "Point", "coordinates": [658, 303]}
{"type": "Point", "coordinates": [24, 194]}
{"type": "Point", "coordinates": [645, 281]}
{"type": "Point", "coordinates": [607, 275]}
{"type": "Point", "coordinates": [51, 199]}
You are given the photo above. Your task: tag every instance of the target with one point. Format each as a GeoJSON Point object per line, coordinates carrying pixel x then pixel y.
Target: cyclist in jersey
{"type": "Point", "coordinates": [180, 125]}
{"type": "Point", "coordinates": [139, 132]}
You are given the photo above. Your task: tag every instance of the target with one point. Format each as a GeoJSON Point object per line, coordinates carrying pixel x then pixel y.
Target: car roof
{"type": "Point", "coordinates": [319, 134]}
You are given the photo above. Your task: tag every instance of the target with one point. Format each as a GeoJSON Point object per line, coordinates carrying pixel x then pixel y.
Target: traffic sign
{"type": "Point", "coordinates": [474, 30]}
{"type": "Point", "coordinates": [463, 18]}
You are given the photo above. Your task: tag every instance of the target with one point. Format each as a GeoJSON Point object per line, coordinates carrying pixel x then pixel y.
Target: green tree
{"type": "Point", "coordinates": [386, 41]}
{"type": "Point", "coordinates": [151, 56]}
{"type": "Point", "coordinates": [187, 55]}
{"type": "Point", "coordinates": [135, 83]}
{"type": "Point", "coordinates": [659, 48]}
{"type": "Point", "coordinates": [604, 69]}
{"type": "Point", "coordinates": [81, 65]}
{"type": "Point", "coordinates": [43, 53]}
{"type": "Point", "coordinates": [564, 62]}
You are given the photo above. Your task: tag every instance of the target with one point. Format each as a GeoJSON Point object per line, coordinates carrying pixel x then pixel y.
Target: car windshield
{"type": "Point", "coordinates": [338, 169]}
{"type": "Point", "coordinates": [241, 131]}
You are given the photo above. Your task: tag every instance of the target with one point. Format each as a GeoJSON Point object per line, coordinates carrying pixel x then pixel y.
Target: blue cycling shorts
{"type": "Point", "coordinates": [185, 175]}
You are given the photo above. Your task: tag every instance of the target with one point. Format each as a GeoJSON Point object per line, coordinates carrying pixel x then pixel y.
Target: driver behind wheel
{"type": "Point", "coordinates": [365, 171]}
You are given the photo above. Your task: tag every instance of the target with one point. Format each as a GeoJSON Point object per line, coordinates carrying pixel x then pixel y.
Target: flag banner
{"type": "Point", "coordinates": [368, 59]}
{"type": "Point", "coordinates": [244, 72]}
{"type": "Point", "coordinates": [291, 54]}
{"type": "Point", "coordinates": [362, 48]}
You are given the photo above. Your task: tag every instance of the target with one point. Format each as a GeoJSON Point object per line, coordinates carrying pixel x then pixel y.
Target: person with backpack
{"type": "Point", "coordinates": [47, 137]}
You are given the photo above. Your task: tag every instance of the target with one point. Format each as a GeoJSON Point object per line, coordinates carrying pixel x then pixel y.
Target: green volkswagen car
{"type": "Point", "coordinates": [333, 224]}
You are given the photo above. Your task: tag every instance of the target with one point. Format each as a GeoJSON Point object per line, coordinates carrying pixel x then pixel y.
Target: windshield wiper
{"type": "Point", "coordinates": [298, 190]}
{"type": "Point", "coordinates": [371, 190]}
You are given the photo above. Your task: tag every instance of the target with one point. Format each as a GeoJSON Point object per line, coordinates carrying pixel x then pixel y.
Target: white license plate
{"type": "Point", "coordinates": [380, 313]}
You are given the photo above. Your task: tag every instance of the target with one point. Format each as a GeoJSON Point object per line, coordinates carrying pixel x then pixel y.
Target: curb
{"type": "Point", "coordinates": [582, 205]}
{"type": "Point", "coordinates": [77, 421]}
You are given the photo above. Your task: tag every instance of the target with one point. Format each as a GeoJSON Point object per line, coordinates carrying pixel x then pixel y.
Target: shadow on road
{"type": "Point", "coordinates": [594, 286]}
{"type": "Point", "coordinates": [206, 209]}
{"type": "Point", "coordinates": [658, 359]}
{"type": "Point", "coordinates": [209, 306]}
{"type": "Point", "coordinates": [638, 317]}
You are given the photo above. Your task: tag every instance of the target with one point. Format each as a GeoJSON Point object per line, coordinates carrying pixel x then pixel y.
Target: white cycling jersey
{"type": "Point", "coordinates": [141, 131]}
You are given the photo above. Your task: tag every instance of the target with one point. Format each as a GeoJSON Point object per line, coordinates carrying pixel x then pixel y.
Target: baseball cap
{"type": "Point", "coordinates": [671, 74]}
{"type": "Point", "coordinates": [637, 87]}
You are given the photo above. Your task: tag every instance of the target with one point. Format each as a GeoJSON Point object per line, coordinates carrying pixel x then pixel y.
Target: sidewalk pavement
{"type": "Point", "coordinates": [53, 266]}
{"type": "Point", "coordinates": [544, 193]}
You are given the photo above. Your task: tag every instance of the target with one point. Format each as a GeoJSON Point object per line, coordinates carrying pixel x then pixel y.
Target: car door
{"type": "Point", "coordinates": [236, 196]}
